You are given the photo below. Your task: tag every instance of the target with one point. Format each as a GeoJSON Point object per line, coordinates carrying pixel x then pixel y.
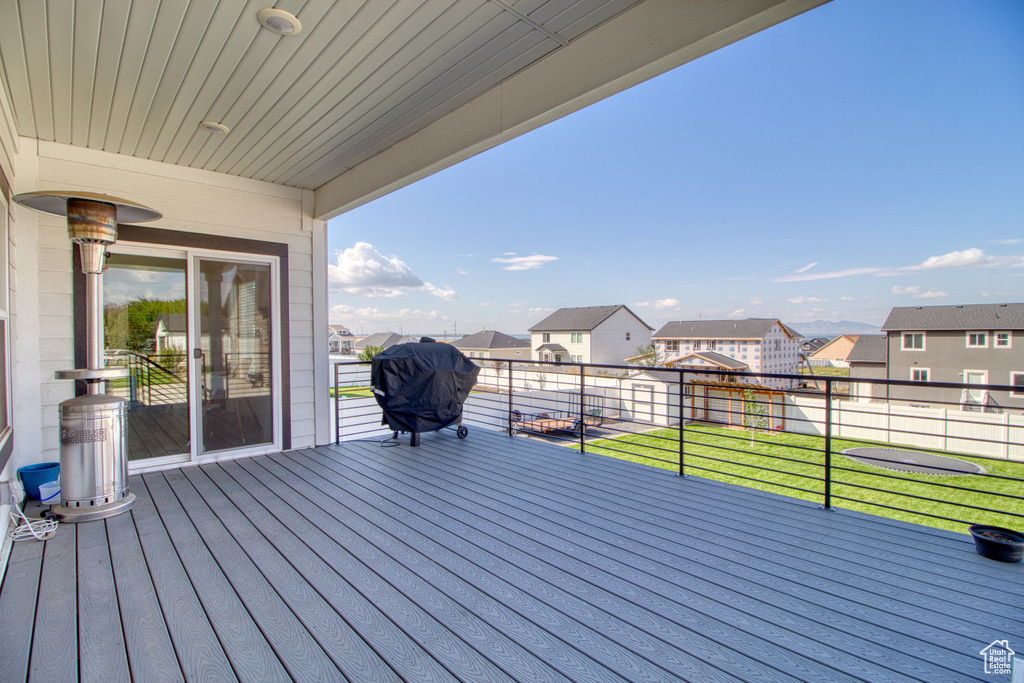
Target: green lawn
{"type": "Point", "coordinates": [730, 452]}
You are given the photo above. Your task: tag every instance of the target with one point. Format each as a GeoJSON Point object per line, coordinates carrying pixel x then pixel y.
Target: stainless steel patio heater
{"type": "Point", "coordinates": [93, 462]}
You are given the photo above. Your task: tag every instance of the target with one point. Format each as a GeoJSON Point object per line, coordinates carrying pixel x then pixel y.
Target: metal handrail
{"type": "Point", "coordinates": [570, 389]}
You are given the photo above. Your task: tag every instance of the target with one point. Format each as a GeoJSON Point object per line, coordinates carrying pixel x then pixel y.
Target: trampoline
{"type": "Point", "coordinates": [915, 462]}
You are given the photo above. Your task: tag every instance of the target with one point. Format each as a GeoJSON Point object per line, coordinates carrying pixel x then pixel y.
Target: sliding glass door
{"type": "Point", "coordinates": [235, 354]}
{"type": "Point", "coordinates": [198, 331]}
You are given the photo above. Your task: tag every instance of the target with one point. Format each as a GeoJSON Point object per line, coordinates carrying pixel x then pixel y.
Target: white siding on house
{"type": "Point", "coordinates": [608, 342]}
{"type": "Point", "coordinates": [191, 201]}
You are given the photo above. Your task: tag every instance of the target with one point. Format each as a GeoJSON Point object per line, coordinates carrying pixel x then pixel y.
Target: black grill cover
{"type": "Point", "coordinates": [421, 386]}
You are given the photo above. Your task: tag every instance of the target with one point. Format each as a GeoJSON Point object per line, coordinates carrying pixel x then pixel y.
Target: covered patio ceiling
{"type": "Point", "coordinates": [369, 96]}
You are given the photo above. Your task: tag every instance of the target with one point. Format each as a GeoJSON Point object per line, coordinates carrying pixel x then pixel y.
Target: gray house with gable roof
{"type": "Point", "coordinates": [591, 334]}
{"type": "Point", "coordinates": [494, 344]}
{"type": "Point", "coordinates": [970, 344]}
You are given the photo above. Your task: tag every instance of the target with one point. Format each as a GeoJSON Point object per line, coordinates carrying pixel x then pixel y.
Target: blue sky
{"type": "Point", "coordinates": [864, 155]}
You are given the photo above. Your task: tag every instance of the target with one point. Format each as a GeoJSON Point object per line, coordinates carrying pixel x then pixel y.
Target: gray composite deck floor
{"type": "Point", "coordinates": [492, 559]}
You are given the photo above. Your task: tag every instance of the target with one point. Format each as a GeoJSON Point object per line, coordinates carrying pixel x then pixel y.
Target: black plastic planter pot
{"type": "Point", "coordinates": [997, 543]}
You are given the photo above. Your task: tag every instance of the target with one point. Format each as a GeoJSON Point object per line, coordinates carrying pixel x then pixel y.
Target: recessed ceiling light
{"type": "Point", "coordinates": [280, 22]}
{"type": "Point", "coordinates": [214, 127]}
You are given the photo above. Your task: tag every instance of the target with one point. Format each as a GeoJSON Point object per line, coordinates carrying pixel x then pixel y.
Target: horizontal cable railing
{"type": "Point", "coordinates": [791, 434]}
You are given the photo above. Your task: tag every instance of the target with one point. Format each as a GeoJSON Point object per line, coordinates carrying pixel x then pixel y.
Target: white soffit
{"type": "Point", "coordinates": [136, 77]}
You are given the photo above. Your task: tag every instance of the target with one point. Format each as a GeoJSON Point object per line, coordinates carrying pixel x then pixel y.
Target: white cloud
{"type": "Point", "coordinates": [446, 293]}
{"type": "Point", "coordinates": [662, 304]}
{"type": "Point", "coordinates": [344, 314]}
{"type": "Point", "coordinates": [806, 300]}
{"type": "Point", "coordinates": [846, 298]}
{"type": "Point", "coordinates": [738, 313]}
{"type": "Point", "coordinates": [365, 271]}
{"type": "Point", "coordinates": [756, 301]}
{"type": "Point", "coordinates": [540, 310]}
{"type": "Point", "coordinates": [642, 304]}
{"type": "Point", "coordinates": [807, 267]}
{"type": "Point", "coordinates": [1014, 240]}
{"type": "Point", "coordinates": [968, 258]}
{"type": "Point", "coordinates": [918, 293]}
{"type": "Point", "coordinates": [532, 262]}
{"type": "Point", "coordinates": [931, 294]}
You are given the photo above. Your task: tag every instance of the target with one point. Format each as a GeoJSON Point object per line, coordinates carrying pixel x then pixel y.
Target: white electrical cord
{"type": "Point", "coordinates": [39, 529]}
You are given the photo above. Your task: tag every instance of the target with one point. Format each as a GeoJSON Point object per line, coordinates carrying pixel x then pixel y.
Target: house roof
{"type": "Point", "coordinates": [173, 322]}
{"type": "Point", "coordinates": [750, 328]}
{"type": "Point", "coordinates": [490, 339]}
{"type": "Point", "coordinates": [824, 348]}
{"type": "Point", "coordinates": [870, 348]}
{"type": "Point", "coordinates": [812, 345]}
{"type": "Point", "coordinates": [968, 317]}
{"type": "Point", "coordinates": [350, 106]}
{"type": "Point", "coordinates": [383, 339]}
{"type": "Point", "coordinates": [718, 359]}
{"type": "Point", "coordinates": [556, 348]}
{"type": "Point", "coordinates": [585, 318]}
{"type": "Point", "coordinates": [340, 329]}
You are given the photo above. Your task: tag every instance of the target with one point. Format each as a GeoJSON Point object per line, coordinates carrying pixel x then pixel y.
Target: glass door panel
{"type": "Point", "coordinates": [234, 311]}
{"type": "Point", "coordinates": [146, 330]}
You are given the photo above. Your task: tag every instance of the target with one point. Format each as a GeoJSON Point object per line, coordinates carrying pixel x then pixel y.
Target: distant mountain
{"type": "Point", "coordinates": [827, 328]}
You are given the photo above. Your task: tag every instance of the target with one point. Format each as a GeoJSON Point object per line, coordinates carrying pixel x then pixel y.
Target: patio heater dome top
{"type": "Point", "coordinates": [56, 202]}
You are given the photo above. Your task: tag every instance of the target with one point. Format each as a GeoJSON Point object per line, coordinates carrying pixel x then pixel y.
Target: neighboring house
{"type": "Point", "coordinates": [970, 344]}
{"type": "Point", "coordinates": [493, 344]}
{"type": "Point", "coordinates": [751, 345]}
{"type": "Point", "coordinates": [867, 360]}
{"type": "Point", "coordinates": [171, 333]}
{"type": "Point", "coordinates": [834, 353]}
{"type": "Point", "coordinates": [592, 334]}
{"type": "Point", "coordinates": [385, 340]}
{"type": "Point", "coordinates": [340, 339]}
{"type": "Point", "coordinates": [809, 346]}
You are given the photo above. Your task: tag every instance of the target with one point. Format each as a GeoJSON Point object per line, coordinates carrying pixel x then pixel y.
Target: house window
{"type": "Point", "coordinates": [576, 337]}
{"type": "Point", "coordinates": [696, 345]}
{"type": "Point", "coordinates": [546, 337]}
{"type": "Point", "coordinates": [913, 341]}
{"type": "Point", "coordinates": [919, 374]}
{"type": "Point", "coordinates": [712, 345]}
{"type": "Point", "coordinates": [1001, 340]}
{"type": "Point", "coordinates": [1017, 382]}
{"type": "Point", "coordinates": [577, 359]}
{"type": "Point", "coordinates": [672, 345]}
{"type": "Point", "coordinates": [977, 340]}
{"type": "Point", "coordinates": [627, 336]}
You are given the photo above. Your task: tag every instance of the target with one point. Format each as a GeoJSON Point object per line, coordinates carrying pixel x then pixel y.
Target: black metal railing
{"type": "Point", "coordinates": [158, 379]}
{"type": "Point", "coordinates": [783, 433]}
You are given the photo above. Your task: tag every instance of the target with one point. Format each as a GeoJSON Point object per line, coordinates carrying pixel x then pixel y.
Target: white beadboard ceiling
{"type": "Point", "coordinates": [136, 77]}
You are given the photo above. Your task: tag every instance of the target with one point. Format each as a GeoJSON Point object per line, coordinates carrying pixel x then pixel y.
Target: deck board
{"type": "Point", "coordinates": [55, 657]}
{"type": "Point", "coordinates": [199, 652]}
{"type": "Point", "coordinates": [493, 559]}
{"type": "Point", "coordinates": [102, 654]}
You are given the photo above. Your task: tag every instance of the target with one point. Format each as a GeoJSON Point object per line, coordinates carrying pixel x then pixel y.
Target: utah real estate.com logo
{"type": "Point", "coordinates": [998, 657]}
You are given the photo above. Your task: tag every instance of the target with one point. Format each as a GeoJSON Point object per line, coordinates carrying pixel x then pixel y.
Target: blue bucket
{"type": "Point", "coordinates": [34, 475]}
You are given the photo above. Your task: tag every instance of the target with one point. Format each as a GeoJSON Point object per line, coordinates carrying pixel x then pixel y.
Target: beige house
{"type": "Point", "coordinates": [837, 350]}
{"type": "Point", "coordinates": [493, 344]}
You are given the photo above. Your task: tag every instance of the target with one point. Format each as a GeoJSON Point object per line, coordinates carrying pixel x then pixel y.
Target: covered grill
{"type": "Point", "coordinates": [421, 387]}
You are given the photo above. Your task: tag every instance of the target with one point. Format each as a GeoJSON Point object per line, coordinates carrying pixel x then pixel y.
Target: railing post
{"type": "Point", "coordinates": [828, 444]}
{"type": "Point", "coordinates": [583, 400]}
{"type": "Point", "coordinates": [337, 407]}
{"type": "Point", "coordinates": [510, 434]}
{"type": "Point", "coordinates": [682, 424]}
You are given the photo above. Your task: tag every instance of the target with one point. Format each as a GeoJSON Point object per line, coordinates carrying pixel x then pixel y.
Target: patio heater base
{"type": "Point", "coordinates": [87, 514]}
